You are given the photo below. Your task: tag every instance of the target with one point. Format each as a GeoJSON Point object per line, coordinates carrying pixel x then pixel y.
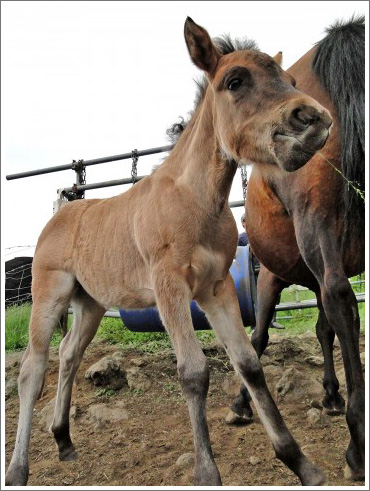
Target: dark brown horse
{"type": "Point", "coordinates": [308, 227]}
{"type": "Point", "coordinates": [172, 238]}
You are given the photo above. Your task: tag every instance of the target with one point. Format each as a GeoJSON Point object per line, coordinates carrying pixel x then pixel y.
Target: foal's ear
{"type": "Point", "coordinates": [202, 51]}
{"type": "Point", "coordinates": [278, 58]}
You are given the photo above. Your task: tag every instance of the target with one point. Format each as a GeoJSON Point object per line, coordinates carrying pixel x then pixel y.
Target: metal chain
{"type": "Point", "coordinates": [135, 158]}
{"type": "Point", "coordinates": [80, 170]}
{"type": "Point", "coordinates": [244, 176]}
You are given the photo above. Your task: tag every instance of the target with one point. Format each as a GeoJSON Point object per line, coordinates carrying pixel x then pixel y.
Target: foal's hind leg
{"type": "Point", "coordinates": [332, 401]}
{"type": "Point", "coordinates": [223, 312]}
{"type": "Point", "coordinates": [51, 293]}
{"type": "Point", "coordinates": [269, 288]}
{"type": "Point", "coordinates": [87, 315]}
{"type": "Point", "coordinates": [173, 298]}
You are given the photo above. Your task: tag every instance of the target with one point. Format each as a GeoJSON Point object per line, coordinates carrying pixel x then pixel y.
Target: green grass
{"type": "Point", "coordinates": [301, 321]}
{"type": "Point", "coordinates": [112, 330]}
{"type": "Point", "coordinates": [16, 328]}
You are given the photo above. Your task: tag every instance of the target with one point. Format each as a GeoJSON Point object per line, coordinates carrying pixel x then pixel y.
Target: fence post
{"type": "Point", "coordinates": [59, 202]}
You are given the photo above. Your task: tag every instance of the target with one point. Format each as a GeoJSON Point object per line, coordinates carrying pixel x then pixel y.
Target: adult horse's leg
{"type": "Point", "coordinates": [51, 293]}
{"type": "Point", "coordinates": [269, 288]}
{"type": "Point", "coordinates": [340, 306]}
{"type": "Point", "coordinates": [222, 310]}
{"type": "Point", "coordinates": [332, 401]}
{"type": "Point", "coordinates": [87, 315]}
{"type": "Point", "coordinates": [173, 298]}
{"type": "Point", "coordinates": [341, 310]}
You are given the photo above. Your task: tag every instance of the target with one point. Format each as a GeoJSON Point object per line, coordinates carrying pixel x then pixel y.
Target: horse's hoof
{"type": "Point", "coordinates": [312, 476]}
{"type": "Point", "coordinates": [235, 419]}
{"type": "Point", "coordinates": [334, 411]}
{"type": "Point", "coordinates": [353, 475]}
{"type": "Point", "coordinates": [207, 476]}
{"type": "Point", "coordinates": [334, 407]}
{"type": "Point", "coordinates": [68, 455]}
{"type": "Point", "coordinates": [16, 476]}
{"type": "Point", "coordinates": [317, 480]}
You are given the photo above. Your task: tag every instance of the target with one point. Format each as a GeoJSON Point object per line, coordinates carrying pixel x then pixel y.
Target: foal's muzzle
{"type": "Point", "coordinates": [303, 132]}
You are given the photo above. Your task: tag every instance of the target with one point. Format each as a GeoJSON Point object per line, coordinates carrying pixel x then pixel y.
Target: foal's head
{"type": "Point", "coordinates": [258, 115]}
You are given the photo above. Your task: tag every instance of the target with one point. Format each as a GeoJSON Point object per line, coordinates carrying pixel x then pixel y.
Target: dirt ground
{"type": "Point", "coordinates": [144, 448]}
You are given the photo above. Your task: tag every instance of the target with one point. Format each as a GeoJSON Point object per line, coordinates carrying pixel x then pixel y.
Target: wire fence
{"type": "Point", "coordinates": [18, 279]}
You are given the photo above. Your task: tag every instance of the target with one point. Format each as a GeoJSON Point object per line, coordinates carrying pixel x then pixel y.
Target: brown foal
{"type": "Point", "coordinates": [170, 239]}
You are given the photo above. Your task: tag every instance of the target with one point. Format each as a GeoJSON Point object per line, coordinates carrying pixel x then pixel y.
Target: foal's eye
{"type": "Point", "coordinates": [234, 84]}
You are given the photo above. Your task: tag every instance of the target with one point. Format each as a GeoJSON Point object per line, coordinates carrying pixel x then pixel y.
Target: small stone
{"type": "Point", "coordinates": [136, 379]}
{"type": "Point", "coordinates": [315, 361]}
{"type": "Point", "coordinates": [11, 387]}
{"type": "Point", "coordinates": [101, 414]}
{"type": "Point", "coordinates": [185, 460]}
{"type": "Point", "coordinates": [254, 460]}
{"type": "Point", "coordinates": [313, 416]}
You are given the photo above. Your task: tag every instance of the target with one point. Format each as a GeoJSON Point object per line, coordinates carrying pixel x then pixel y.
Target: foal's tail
{"type": "Point", "coordinates": [339, 64]}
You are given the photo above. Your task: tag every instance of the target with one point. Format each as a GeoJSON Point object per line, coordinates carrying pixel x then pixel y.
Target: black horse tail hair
{"type": "Point", "coordinates": [339, 64]}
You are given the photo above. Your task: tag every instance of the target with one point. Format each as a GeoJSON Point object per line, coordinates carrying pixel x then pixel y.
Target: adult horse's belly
{"type": "Point", "coordinates": [271, 234]}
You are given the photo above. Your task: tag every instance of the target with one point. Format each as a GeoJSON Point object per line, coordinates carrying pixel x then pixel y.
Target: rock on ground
{"type": "Point", "coordinates": [101, 415]}
{"type": "Point", "coordinates": [136, 379]}
{"type": "Point", "coordinates": [107, 372]}
{"type": "Point", "coordinates": [295, 386]}
{"type": "Point", "coordinates": [185, 460]}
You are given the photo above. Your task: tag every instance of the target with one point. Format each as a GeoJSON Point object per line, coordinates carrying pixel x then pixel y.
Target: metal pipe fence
{"type": "Point", "coordinates": [86, 163]}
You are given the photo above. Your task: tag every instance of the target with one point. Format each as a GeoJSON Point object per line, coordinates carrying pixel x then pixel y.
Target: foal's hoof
{"type": "Point", "coordinates": [317, 480]}
{"type": "Point", "coordinates": [353, 475]}
{"type": "Point", "coordinates": [334, 406]}
{"type": "Point", "coordinates": [313, 476]}
{"type": "Point", "coordinates": [16, 476]}
{"type": "Point", "coordinates": [207, 476]}
{"type": "Point", "coordinates": [68, 455]}
{"type": "Point", "coordinates": [235, 419]}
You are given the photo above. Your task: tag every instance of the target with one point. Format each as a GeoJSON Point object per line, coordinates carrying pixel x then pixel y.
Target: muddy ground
{"type": "Point", "coordinates": [144, 448]}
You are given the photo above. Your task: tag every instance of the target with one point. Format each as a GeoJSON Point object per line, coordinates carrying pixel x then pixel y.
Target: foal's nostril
{"type": "Point", "coordinates": [302, 117]}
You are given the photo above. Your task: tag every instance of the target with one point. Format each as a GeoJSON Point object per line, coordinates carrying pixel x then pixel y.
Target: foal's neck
{"type": "Point", "coordinates": [199, 163]}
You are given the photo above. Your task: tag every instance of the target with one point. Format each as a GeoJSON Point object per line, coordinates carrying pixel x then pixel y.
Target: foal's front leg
{"type": "Point", "coordinates": [269, 288]}
{"type": "Point", "coordinates": [173, 299]}
{"type": "Point", "coordinates": [222, 310]}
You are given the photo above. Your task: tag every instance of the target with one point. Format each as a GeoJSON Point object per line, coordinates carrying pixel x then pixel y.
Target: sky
{"type": "Point", "coordinates": [83, 80]}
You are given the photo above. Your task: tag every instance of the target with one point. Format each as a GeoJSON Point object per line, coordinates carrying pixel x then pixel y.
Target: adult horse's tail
{"type": "Point", "coordinates": [339, 64]}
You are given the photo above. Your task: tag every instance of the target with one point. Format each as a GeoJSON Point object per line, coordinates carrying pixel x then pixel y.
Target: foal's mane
{"type": "Point", "coordinates": [225, 45]}
{"type": "Point", "coordinates": [339, 64]}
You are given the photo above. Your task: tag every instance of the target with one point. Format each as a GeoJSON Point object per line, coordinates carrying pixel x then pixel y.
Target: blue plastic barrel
{"type": "Point", "coordinates": [242, 271]}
